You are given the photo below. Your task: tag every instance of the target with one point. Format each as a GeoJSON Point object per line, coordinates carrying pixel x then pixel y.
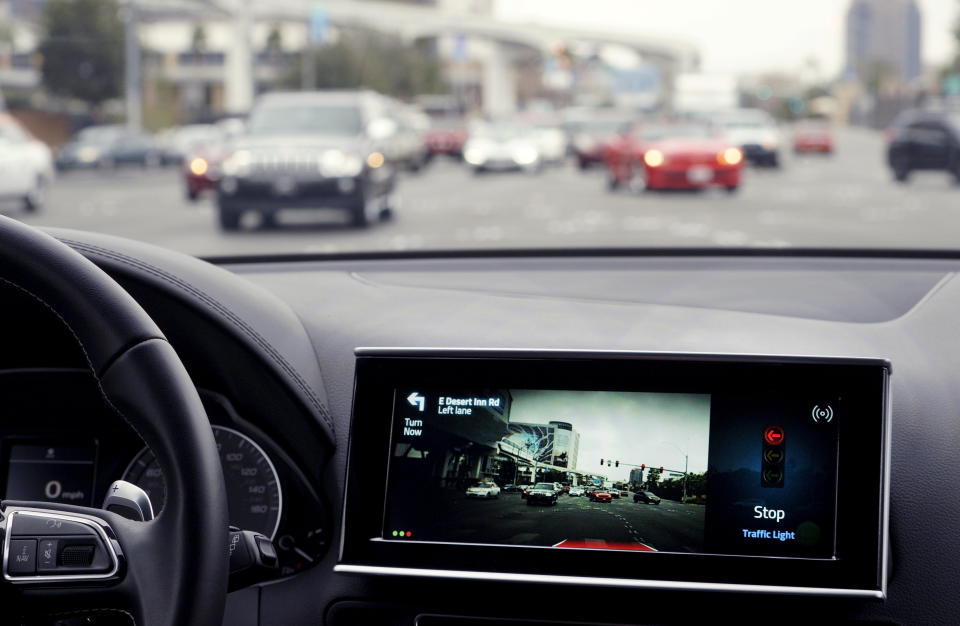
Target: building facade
{"type": "Point", "coordinates": [884, 40]}
{"type": "Point", "coordinates": [554, 443]}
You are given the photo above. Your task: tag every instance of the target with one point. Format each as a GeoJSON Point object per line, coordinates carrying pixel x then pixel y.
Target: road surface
{"type": "Point", "coordinates": [669, 526]}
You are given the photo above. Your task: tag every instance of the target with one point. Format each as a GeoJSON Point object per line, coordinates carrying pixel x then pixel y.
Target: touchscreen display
{"type": "Point", "coordinates": [645, 471]}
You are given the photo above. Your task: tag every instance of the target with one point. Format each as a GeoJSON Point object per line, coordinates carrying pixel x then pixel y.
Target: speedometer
{"type": "Point", "coordinates": [254, 496]}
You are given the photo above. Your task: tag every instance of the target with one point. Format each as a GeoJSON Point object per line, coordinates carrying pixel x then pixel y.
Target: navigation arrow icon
{"type": "Point", "coordinates": [415, 399]}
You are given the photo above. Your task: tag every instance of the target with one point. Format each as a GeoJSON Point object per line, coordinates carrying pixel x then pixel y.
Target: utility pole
{"type": "Point", "coordinates": [133, 86]}
{"type": "Point", "coordinates": [686, 464]}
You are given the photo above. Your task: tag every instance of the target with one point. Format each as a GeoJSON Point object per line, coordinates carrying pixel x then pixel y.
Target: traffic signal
{"type": "Point", "coordinates": [617, 464]}
{"type": "Point", "coordinates": [601, 462]}
{"type": "Point", "coordinates": [773, 452]}
{"type": "Point", "coordinates": [661, 468]}
{"type": "Point", "coordinates": [643, 466]}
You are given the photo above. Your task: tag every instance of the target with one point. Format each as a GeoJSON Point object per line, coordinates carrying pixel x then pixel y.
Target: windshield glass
{"type": "Point", "coordinates": [549, 486]}
{"type": "Point", "coordinates": [409, 126]}
{"type": "Point", "coordinates": [306, 119]}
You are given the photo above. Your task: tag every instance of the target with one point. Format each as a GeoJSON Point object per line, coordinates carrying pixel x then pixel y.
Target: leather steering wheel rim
{"type": "Point", "coordinates": [176, 566]}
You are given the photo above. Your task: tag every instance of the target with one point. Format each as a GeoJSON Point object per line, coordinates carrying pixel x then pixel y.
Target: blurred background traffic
{"type": "Point", "coordinates": [223, 127]}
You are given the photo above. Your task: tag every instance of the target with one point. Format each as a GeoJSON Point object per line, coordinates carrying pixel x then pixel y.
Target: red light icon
{"type": "Point", "coordinates": [773, 435]}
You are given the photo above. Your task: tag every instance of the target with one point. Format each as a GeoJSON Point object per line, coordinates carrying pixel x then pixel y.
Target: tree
{"type": "Point", "coordinates": [82, 49]}
{"type": "Point", "coordinates": [365, 59]}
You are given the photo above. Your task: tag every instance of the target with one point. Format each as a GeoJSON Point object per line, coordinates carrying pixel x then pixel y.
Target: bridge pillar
{"type": "Point", "coordinates": [499, 81]}
{"type": "Point", "coordinates": [238, 78]}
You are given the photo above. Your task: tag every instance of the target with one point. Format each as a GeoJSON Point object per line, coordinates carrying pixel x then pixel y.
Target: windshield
{"type": "Point", "coordinates": [549, 486]}
{"type": "Point", "coordinates": [306, 119]}
{"type": "Point", "coordinates": [401, 126]}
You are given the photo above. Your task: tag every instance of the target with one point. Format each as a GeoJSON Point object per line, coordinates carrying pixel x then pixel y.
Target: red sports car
{"type": "Point", "coordinates": [812, 137]}
{"type": "Point", "coordinates": [602, 496]}
{"type": "Point", "coordinates": [673, 156]}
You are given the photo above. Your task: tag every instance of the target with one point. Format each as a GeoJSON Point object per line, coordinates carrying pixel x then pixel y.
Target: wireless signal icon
{"type": "Point", "coordinates": [822, 413]}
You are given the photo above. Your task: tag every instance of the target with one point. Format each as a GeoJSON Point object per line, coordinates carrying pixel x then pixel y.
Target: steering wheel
{"type": "Point", "coordinates": [62, 561]}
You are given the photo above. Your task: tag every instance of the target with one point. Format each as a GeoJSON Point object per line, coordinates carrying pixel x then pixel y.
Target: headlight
{"type": "Point", "coordinates": [88, 154]}
{"type": "Point", "coordinates": [730, 156]}
{"type": "Point", "coordinates": [770, 142]}
{"type": "Point", "coordinates": [336, 164]}
{"type": "Point", "coordinates": [525, 155]}
{"type": "Point", "coordinates": [654, 158]}
{"type": "Point", "coordinates": [238, 163]}
{"type": "Point", "coordinates": [475, 156]}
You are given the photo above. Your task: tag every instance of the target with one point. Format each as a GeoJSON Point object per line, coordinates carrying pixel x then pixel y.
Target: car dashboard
{"type": "Point", "coordinates": [275, 345]}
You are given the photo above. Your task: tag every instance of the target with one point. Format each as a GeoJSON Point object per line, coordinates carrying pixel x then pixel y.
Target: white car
{"type": "Point", "coordinates": [26, 165]}
{"type": "Point", "coordinates": [483, 490]}
{"type": "Point", "coordinates": [502, 147]}
{"type": "Point", "coordinates": [575, 491]}
{"type": "Point", "coordinates": [755, 132]}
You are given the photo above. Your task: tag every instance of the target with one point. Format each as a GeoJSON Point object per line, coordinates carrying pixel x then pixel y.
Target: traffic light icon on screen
{"type": "Point", "coordinates": [773, 457]}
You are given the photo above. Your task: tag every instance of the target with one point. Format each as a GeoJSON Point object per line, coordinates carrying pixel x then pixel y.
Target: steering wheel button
{"type": "Point", "coordinates": [40, 525]}
{"type": "Point", "coordinates": [47, 555]}
{"type": "Point", "coordinates": [22, 557]}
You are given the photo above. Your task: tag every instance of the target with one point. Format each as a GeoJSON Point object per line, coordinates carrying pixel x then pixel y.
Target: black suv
{"type": "Point", "coordinates": [925, 140]}
{"type": "Point", "coordinates": [312, 150]}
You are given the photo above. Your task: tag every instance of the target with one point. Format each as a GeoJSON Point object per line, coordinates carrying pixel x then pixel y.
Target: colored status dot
{"type": "Point", "coordinates": [409, 534]}
{"type": "Point", "coordinates": [395, 533]}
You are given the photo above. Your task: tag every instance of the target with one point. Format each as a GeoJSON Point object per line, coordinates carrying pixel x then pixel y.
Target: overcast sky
{"type": "Point", "coordinates": [630, 427]}
{"type": "Point", "coordinates": [737, 35]}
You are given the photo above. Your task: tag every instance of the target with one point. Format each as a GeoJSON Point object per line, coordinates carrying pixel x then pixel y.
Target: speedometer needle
{"type": "Point", "coordinates": [303, 554]}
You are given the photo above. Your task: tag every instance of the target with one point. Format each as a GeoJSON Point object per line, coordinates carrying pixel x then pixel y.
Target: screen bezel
{"type": "Point", "coordinates": [860, 544]}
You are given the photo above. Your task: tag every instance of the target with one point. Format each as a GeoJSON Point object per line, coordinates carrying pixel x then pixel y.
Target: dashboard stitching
{"type": "Point", "coordinates": [222, 310]}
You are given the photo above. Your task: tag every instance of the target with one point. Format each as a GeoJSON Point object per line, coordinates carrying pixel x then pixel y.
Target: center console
{"type": "Point", "coordinates": [722, 472]}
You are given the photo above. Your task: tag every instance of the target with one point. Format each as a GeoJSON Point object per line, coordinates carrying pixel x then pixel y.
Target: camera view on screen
{"type": "Point", "coordinates": [562, 469]}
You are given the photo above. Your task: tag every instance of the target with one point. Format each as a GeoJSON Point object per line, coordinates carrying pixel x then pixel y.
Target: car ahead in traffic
{"type": "Point", "coordinates": [109, 146]}
{"type": "Point", "coordinates": [646, 497]}
{"type": "Point", "coordinates": [576, 492]}
{"type": "Point", "coordinates": [311, 150]}
{"type": "Point", "coordinates": [812, 137]}
{"type": "Point", "coordinates": [590, 137]}
{"type": "Point", "coordinates": [511, 488]}
{"type": "Point", "coordinates": [486, 489]}
{"type": "Point", "coordinates": [601, 495]}
{"type": "Point", "coordinates": [445, 137]}
{"type": "Point", "coordinates": [754, 131]}
{"type": "Point", "coordinates": [26, 166]}
{"type": "Point", "coordinates": [502, 146]}
{"type": "Point", "coordinates": [624, 494]}
{"type": "Point", "coordinates": [922, 140]}
{"type": "Point", "coordinates": [184, 141]}
{"type": "Point", "coordinates": [664, 155]}
{"type": "Point", "coordinates": [542, 493]}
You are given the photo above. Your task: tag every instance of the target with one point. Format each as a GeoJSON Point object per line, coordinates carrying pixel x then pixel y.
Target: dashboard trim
{"type": "Point", "coordinates": [376, 570]}
{"type": "Point", "coordinates": [627, 354]}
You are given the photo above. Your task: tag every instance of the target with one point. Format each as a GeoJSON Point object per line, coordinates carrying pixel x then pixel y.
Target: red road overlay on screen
{"type": "Point", "coordinates": [600, 544]}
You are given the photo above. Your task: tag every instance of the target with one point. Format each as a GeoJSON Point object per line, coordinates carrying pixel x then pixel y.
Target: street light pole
{"type": "Point", "coordinates": [131, 75]}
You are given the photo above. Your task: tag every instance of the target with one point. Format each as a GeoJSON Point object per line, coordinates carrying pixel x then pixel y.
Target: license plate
{"type": "Point", "coordinates": [285, 186]}
{"type": "Point", "coordinates": [699, 174]}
